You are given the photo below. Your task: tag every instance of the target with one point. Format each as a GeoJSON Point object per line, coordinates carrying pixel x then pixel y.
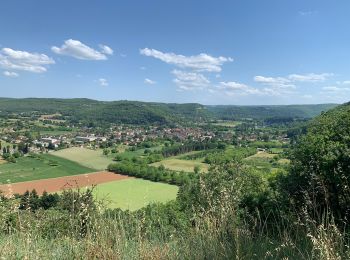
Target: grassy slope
{"type": "Point", "coordinates": [133, 194]}
{"type": "Point", "coordinates": [86, 157]}
{"type": "Point", "coordinates": [28, 169]}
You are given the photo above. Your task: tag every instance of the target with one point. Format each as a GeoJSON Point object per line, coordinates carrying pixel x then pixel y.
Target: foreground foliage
{"type": "Point", "coordinates": [229, 213]}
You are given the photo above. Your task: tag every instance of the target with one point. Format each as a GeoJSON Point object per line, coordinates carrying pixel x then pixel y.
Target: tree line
{"type": "Point", "coordinates": [157, 174]}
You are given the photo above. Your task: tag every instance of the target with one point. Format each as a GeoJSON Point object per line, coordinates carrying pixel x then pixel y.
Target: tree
{"type": "Point", "coordinates": [30, 200]}
{"type": "Point", "coordinates": [320, 173]}
{"type": "Point", "coordinates": [51, 146]}
{"type": "Point", "coordinates": [49, 200]}
{"type": "Point", "coordinates": [16, 154]}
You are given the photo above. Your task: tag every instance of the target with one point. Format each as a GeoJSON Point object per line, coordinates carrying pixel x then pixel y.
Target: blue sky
{"type": "Point", "coordinates": [210, 52]}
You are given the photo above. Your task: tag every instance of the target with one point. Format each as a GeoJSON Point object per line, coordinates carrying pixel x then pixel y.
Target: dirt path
{"type": "Point", "coordinates": [61, 183]}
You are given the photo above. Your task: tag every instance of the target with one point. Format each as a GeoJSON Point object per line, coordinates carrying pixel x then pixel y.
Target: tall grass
{"type": "Point", "coordinates": [81, 229]}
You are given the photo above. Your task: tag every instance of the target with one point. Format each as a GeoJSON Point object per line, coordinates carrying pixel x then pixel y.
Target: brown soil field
{"type": "Point", "coordinates": [61, 183]}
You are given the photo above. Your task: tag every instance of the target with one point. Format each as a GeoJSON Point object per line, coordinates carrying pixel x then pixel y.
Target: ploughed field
{"type": "Point", "coordinates": [61, 183]}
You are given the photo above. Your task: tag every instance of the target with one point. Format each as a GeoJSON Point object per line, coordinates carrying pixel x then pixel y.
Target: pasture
{"type": "Point", "coordinates": [227, 123]}
{"type": "Point", "coordinates": [182, 165]}
{"type": "Point", "coordinates": [133, 194]}
{"type": "Point", "coordinates": [41, 167]}
{"type": "Point", "coordinates": [93, 159]}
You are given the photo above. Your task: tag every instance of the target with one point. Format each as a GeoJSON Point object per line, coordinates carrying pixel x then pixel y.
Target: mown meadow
{"type": "Point", "coordinates": [133, 194]}
{"type": "Point", "coordinates": [87, 157]}
{"type": "Point", "coordinates": [38, 167]}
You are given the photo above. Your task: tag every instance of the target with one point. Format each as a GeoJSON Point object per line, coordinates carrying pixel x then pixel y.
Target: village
{"type": "Point", "coordinates": [45, 133]}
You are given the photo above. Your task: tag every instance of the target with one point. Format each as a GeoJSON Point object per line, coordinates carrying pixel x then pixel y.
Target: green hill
{"type": "Point", "coordinates": [135, 112]}
{"type": "Point", "coordinates": [264, 112]}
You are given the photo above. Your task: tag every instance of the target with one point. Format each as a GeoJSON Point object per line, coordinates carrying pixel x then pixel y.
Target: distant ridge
{"type": "Point", "coordinates": [137, 112]}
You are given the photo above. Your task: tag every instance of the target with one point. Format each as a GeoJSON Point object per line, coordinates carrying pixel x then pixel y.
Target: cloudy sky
{"type": "Point", "coordinates": [211, 52]}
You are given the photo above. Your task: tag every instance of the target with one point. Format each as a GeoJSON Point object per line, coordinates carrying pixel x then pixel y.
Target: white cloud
{"type": "Point", "coordinates": [288, 82]}
{"type": "Point", "coordinates": [149, 81]}
{"type": "Point", "coordinates": [346, 82]}
{"type": "Point", "coordinates": [277, 82]}
{"type": "Point", "coordinates": [10, 74]}
{"type": "Point", "coordinates": [335, 89]}
{"type": "Point", "coordinates": [103, 82]}
{"type": "Point", "coordinates": [201, 62]}
{"type": "Point", "coordinates": [306, 13]}
{"type": "Point", "coordinates": [307, 96]}
{"type": "Point", "coordinates": [106, 49]}
{"type": "Point", "coordinates": [286, 85]}
{"type": "Point", "coordinates": [190, 80]}
{"type": "Point", "coordinates": [81, 51]}
{"type": "Point", "coordinates": [21, 60]}
{"type": "Point", "coordinates": [232, 88]}
{"type": "Point", "coordinates": [311, 77]}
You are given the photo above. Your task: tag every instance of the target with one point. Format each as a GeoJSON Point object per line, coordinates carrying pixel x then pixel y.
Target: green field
{"type": "Point", "coordinates": [90, 158]}
{"type": "Point", "coordinates": [182, 165]}
{"type": "Point", "coordinates": [227, 123]}
{"type": "Point", "coordinates": [134, 194]}
{"type": "Point", "coordinates": [55, 132]}
{"type": "Point", "coordinates": [276, 150]}
{"type": "Point", "coordinates": [126, 154]}
{"type": "Point", "coordinates": [44, 167]}
{"type": "Point", "coordinates": [264, 155]}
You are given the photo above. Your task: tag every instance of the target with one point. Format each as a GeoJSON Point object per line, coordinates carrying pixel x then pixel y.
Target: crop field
{"type": "Point", "coordinates": [266, 161]}
{"type": "Point", "coordinates": [182, 165]}
{"type": "Point", "coordinates": [89, 158]}
{"type": "Point", "coordinates": [133, 194]}
{"type": "Point", "coordinates": [42, 167]}
{"type": "Point", "coordinates": [61, 183]}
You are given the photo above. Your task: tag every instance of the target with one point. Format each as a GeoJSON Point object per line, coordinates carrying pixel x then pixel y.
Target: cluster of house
{"type": "Point", "coordinates": [132, 136]}
{"type": "Point", "coordinates": [55, 141]}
